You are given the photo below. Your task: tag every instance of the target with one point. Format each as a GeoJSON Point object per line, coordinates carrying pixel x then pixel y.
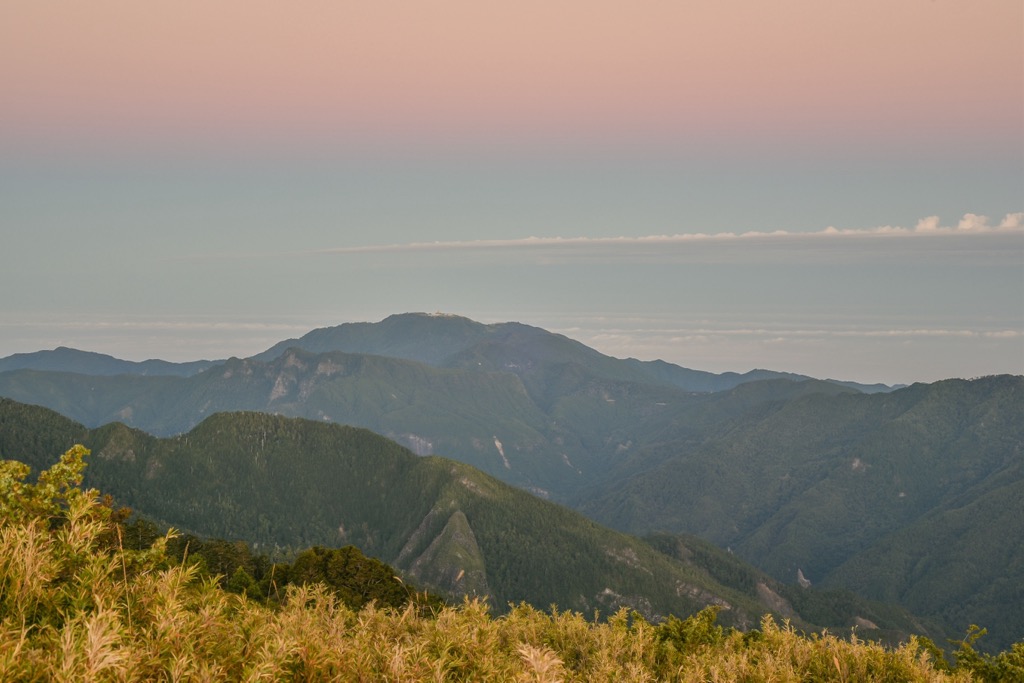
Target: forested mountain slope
{"type": "Point", "coordinates": [280, 482]}
{"type": "Point", "coordinates": [487, 419]}
{"type": "Point", "coordinates": [533, 408]}
{"type": "Point", "coordinates": [912, 496]}
{"type": "Point", "coordinates": [550, 427]}
{"type": "Point", "coordinates": [532, 419]}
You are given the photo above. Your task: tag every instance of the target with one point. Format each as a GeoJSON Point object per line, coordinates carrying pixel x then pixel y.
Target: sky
{"type": "Point", "coordinates": [831, 188]}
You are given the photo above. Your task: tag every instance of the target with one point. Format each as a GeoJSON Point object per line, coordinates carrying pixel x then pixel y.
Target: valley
{"type": "Point", "coordinates": [870, 490]}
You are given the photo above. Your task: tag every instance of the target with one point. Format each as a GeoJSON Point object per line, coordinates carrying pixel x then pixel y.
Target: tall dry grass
{"type": "Point", "coordinates": [75, 606]}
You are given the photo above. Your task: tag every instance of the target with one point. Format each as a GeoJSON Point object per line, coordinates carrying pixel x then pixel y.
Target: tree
{"type": "Point", "coordinates": [355, 578]}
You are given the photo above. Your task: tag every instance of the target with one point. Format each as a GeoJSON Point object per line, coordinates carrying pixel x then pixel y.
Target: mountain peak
{"type": "Point", "coordinates": [435, 314]}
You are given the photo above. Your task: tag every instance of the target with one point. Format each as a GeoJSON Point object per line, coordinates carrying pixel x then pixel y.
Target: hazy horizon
{"type": "Point", "coordinates": [832, 189]}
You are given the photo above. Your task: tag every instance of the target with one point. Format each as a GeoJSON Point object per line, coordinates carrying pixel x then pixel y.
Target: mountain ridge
{"type": "Point", "coordinates": [864, 492]}
{"type": "Point", "coordinates": [441, 339]}
{"type": "Point", "coordinates": [447, 525]}
{"type": "Point", "coordinates": [808, 478]}
{"type": "Point", "coordinates": [66, 359]}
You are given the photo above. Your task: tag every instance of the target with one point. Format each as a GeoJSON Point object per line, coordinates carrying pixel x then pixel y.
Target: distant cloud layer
{"type": "Point", "coordinates": [970, 224]}
{"type": "Point", "coordinates": [930, 226]}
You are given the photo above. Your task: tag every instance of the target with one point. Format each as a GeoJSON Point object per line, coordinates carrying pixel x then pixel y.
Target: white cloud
{"type": "Point", "coordinates": [973, 223]}
{"type": "Point", "coordinates": [1012, 221]}
{"type": "Point", "coordinates": [929, 226]}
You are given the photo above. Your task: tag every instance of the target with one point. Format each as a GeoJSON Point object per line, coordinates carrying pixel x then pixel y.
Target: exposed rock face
{"type": "Point", "coordinates": [774, 601]}
{"type": "Point", "coordinates": [865, 623]}
{"type": "Point", "coordinates": [453, 561]}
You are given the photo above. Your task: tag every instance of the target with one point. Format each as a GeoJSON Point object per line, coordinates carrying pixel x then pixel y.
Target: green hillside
{"type": "Point", "coordinates": [911, 496]}
{"type": "Point", "coordinates": [77, 603]}
{"type": "Point", "coordinates": [531, 413]}
{"type": "Point", "coordinates": [549, 432]}
{"type": "Point", "coordinates": [285, 484]}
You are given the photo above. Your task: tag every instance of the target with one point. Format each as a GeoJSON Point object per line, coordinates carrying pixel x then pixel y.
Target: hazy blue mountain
{"type": "Point", "coordinates": [63, 359]}
{"type": "Point", "coordinates": [430, 339]}
{"type": "Point", "coordinates": [454, 341]}
{"type": "Point", "coordinates": [522, 413]}
{"type": "Point", "coordinates": [434, 339]}
{"type": "Point", "coordinates": [276, 482]}
{"type": "Point", "coordinates": [911, 496]}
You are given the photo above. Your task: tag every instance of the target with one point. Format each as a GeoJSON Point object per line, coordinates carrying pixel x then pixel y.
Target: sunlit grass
{"type": "Point", "coordinates": [76, 606]}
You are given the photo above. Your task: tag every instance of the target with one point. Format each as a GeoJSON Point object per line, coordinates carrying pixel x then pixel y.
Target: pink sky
{"type": "Point", "coordinates": [802, 71]}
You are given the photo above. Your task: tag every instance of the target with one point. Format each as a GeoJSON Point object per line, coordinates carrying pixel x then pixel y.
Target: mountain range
{"type": "Point", "coordinates": [286, 483]}
{"type": "Point", "coordinates": [533, 408]}
{"type": "Point", "coordinates": [906, 495]}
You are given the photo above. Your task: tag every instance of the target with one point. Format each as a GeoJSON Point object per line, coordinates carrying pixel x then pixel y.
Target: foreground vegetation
{"type": "Point", "coordinates": [77, 604]}
{"type": "Point", "coordinates": [284, 484]}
